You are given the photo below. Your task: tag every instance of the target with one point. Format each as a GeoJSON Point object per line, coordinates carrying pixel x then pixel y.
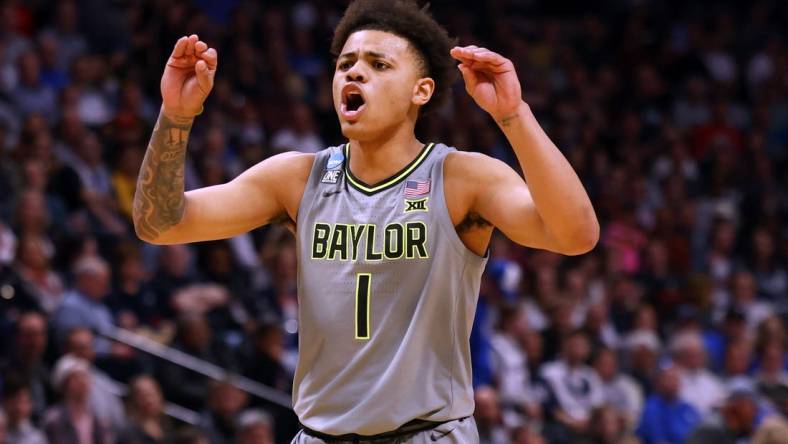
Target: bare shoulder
{"type": "Point", "coordinates": [470, 170]}
{"type": "Point", "coordinates": [285, 175]}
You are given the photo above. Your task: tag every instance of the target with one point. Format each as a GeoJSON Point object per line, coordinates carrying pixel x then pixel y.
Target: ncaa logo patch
{"type": "Point", "coordinates": [416, 205]}
{"type": "Point", "coordinates": [331, 176]}
{"type": "Point", "coordinates": [335, 161]}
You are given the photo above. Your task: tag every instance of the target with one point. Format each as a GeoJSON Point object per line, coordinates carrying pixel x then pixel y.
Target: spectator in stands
{"type": "Point", "coordinates": [738, 359]}
{"type": "Point", "coordinates": [608, 426]}
{"type": "Point", "coordinates": [83, 306]}
{"type": "Point", "coordinates": [510, 366]}
{"type": "Point", "coordinates": [256, 427]}
{"type": "Point", "coordinates": [621, 391]}
{"type": "Point", "coordinates": [174, 272]}
{"type": "Point", "coordinates": [666, 417]}
{"type": "Point", "coordinates": [33, 266]}
{"type": "Point", "coordinates": [574, 389]}
{"type": "Point", "coordinates": [265, 362]}
{"type": "Point", "coordinates": [104, 392]}
{"type": "Point", "coordinates": [146, 421]}
{"type": "Point", "coordinates": [31, 95]}
{"type": "Point", "coordinates": [133, 302]}
{"type": "Point", "coordinates": [699, 387]}
{"type": "Point", "coordinates": [185, 386]}
{"type": "Point", "coordinates": [744, 297]}
{"type": "Point", "coordinates": [526, 435]}
{"type": "Point", "coordinates": [18, 407]}
{"type": "Point", "coordinates": [26, 361]}
{"type": "Point", "coordinates": [735, 423]}
{"type": "Point", "coordinates": [73, 420]}
{"type": "Point", "coordinates": [773, 431]}
{"type": "Point", "coordinates": [221, 421]}
{"type": "Point", "coordinates": [488, 417]}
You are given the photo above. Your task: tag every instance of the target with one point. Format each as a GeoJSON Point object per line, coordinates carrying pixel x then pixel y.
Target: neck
{"type": "Point", "coordinates": [377, 159]}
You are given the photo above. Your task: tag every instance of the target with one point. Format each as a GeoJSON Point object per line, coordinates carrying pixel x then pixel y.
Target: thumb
{"type": "Point", "coordinates": [469, 76]}
{"type": "Point", "coordinates": [204, 76]}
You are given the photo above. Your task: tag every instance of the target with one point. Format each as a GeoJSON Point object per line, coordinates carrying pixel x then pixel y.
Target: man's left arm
{"type": "Point", "coordinates": [553, 210]}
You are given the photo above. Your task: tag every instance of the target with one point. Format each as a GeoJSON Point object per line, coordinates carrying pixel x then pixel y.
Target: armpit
{"type": "Point", "coordinates": [471, 221]}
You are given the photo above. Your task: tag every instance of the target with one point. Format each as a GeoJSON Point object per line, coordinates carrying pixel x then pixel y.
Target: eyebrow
{"type": "Point", "coordinates": [374, 54]}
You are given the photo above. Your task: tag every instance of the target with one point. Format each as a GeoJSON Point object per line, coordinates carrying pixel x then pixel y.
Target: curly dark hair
{"type": "Point", "coordinates": [405, 19]}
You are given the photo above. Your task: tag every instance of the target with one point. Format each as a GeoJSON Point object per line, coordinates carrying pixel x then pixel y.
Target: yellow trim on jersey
{"type": "Point", "coordinates": [409, 169]}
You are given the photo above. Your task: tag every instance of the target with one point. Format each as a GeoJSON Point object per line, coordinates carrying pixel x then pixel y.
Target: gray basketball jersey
{"type": "Point", "coordinates": [387, 293]}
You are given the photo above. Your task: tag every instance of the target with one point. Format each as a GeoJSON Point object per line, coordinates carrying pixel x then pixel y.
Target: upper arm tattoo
{"type": "Point", "coordinates": [159, 199]}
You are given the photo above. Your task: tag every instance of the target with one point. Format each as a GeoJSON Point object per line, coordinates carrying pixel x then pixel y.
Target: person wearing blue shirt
{"type": "Point", "coordinates": [666, 418]}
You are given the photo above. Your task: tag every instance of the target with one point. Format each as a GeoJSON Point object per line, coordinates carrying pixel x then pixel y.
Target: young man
{"type": "Point", "coordinates": [391, 231]}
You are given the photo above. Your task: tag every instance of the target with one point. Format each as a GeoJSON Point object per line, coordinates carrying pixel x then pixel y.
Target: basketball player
{"type": "Point", "coordinates": [391, 231]}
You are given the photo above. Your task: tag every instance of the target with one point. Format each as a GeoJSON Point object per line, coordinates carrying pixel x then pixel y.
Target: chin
{"type": "Point", "coordinates": [354, 131]}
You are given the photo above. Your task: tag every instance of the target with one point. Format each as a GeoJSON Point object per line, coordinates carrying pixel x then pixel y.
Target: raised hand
{"type": "Point", "coordinates": [188, 77]}
{"type": "Point", "coordinates": [490, 79]}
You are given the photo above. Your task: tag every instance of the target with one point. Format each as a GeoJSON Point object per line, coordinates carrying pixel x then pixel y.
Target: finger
{"type": "Point", "coordinates": [469, 76]}
{"type": "Point", "coordinates": [490, 57]}
{"type": "Point", "coordinates": [204, 76]}
{"type": "Point", "coordinates": [190, 46]}
{"type": "Point", "coordinates": [180, 47]}
{"type": "Point", "coordinates": [200, 47]}
{"type": "Point", "coordinates": [211, 57]}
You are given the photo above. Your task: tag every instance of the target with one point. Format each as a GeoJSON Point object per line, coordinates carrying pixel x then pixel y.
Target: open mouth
{"type": "Point", "coordinates": [352, 102]}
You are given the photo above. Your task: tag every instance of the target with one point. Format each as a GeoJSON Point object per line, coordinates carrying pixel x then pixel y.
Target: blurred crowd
{"type": "Point", "coordinates": [674, 115]}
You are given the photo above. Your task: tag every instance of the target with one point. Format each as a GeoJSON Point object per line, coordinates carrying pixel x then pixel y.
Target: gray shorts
{"type": "Point", "coordinates": [458, 431]}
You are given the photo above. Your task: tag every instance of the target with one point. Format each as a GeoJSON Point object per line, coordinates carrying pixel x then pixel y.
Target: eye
{"type": "Point", "coordinates": [379, 65]}
{"type": "Point", "coordinates": [344, 66]}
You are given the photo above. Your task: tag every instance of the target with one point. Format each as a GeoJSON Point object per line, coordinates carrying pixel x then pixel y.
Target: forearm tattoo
{"type": "Point", "coordinates": [159, 200]}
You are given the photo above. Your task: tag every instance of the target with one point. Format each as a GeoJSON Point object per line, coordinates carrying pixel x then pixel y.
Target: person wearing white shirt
{"type": "Point", "coordinates": [698, 386]}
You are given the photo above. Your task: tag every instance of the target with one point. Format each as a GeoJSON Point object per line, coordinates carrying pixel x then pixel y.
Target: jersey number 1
{"type": "Point", "coordinates": [363, 294]}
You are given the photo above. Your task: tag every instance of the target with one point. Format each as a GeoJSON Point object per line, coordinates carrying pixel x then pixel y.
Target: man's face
{"type": "Point", "coordinates": [376, 84]}
{"type": "Point", "coordinates": [31, 336]}
{"type": "Point", "coordinates": [19, 406]}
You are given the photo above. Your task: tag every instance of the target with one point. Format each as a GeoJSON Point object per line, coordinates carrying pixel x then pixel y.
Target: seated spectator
{"type": "Point", "coordinates": [264, 364]}
{"type": "Point", "coordinates": [666, 417]}
{"type": "Point", "coordinates": [526, 435]}
{"type": "Point", "coordinates": [488, 417]}
{"type": "Point", "coordinates": [104, 391]}
{"type": "Point", "coordinates": [608, 426]}
{"type": "Point", "coordinates": [574, 389]}
{"type": "Point", "coordinates": [699, 387]}
{"type": "Point", "coordinates": [182, 385]}
{"type": "Point", "coordinates": [26, 361]}
{"type": "Point", "coordinates": [190, 435]}
{"type": "Point", "coordinates": [510, 366]}
{"type": "Point", "coordinates": [73, 420]}
{"type": "Point", "coordinates": [621, 391]}
{"type": "Point", "coordinates": [744, 297]}
{"type": "Point", "coordinates": [146, 421]}
{"type": "Point", "coordinates": [255, 427]}
{"type": "Point", "coordinates": [771, 375]}
{"type": "Point", "coordinates": [735, 423]}
{"type": "Point", "coordinates": [18, 407]}
{"type": "Point", "coordinates": [34, 268]}
{"type": "Point", "coordinates": [738, 358]}
{"type": "Point", "coordinates": [773, 431]}
{"type": "Point", "coordinates": [133, 302]}
{"type": "Point", "coordinates": [220, 421]}
{"type": "Point", "coordinates": [83, 306]}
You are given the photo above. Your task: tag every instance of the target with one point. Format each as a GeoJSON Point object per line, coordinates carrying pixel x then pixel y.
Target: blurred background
{"type": "Point", "coordinates": [672, 330]}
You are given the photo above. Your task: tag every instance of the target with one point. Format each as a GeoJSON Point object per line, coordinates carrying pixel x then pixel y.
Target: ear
{"type": "Point", "coordinates": [422, 91]}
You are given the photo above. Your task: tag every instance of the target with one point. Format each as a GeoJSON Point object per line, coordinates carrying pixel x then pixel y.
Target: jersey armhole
{"type": "Point", "coordinates": [444, 218]}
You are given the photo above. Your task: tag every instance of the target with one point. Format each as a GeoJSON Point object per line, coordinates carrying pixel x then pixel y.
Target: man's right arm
{"type": "Point", "coordinates": [162, 212]}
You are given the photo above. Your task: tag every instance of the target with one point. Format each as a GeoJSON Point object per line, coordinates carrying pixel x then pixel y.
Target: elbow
{"type": "Point", "coordinates": [584, 236]}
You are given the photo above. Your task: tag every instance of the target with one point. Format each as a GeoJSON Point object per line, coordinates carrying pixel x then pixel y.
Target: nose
{"type": "Point", "coordinates": [355, 73]}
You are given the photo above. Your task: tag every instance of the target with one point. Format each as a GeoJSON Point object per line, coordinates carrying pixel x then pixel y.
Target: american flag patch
{"type": "Point", "coordinates": [415, 188]}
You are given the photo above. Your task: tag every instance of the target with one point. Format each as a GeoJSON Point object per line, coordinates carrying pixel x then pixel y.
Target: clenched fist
{"type": "Point", "coordinates": [188, 77]}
